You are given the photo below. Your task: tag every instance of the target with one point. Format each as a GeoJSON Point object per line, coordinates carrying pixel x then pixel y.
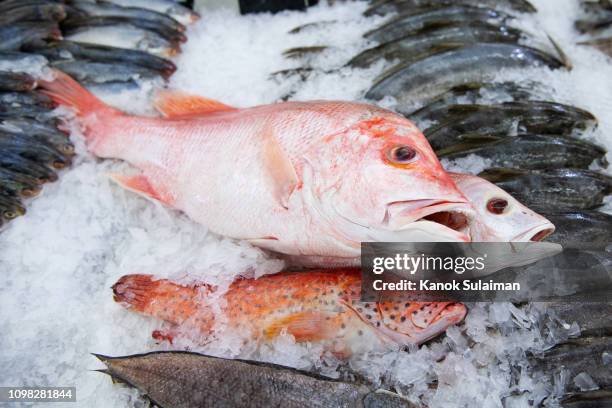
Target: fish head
{"type": "Point", "coordinates": [499, 216]}
{"type": "Point", "coordinates": [407, 322]}
{"type": "Point", "coordinates": [386, 184]}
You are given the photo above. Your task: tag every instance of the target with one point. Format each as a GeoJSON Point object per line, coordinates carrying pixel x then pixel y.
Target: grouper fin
{"type": "Point", "coordinates": [280, 168]}
{"type": "Point", "coordinates": [139, 185]}
{"type": "Point", "coordinates": [304, 326]}
{"type": "Point", "coordinates": [174, 104]}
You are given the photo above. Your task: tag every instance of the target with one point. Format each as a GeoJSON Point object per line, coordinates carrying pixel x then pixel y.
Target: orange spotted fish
{"type": "Point", "coordinates": [315, 306]}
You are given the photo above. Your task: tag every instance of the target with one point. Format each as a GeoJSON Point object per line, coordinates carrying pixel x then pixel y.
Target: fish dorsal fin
{"type": "Point", "coordinates": [280, 168]}
{"type": "Point", "coordinates": [173, 104]}
{"type": "Point", "coordinates": [304, 326]}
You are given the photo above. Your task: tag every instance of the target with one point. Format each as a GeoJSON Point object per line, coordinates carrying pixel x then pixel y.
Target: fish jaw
{"type": "Point", "coordinates": [537, 233]}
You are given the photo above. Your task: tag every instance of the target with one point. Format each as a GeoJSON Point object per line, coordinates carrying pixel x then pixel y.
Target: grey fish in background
{"type": "Point", "coordinates": [34, 149]}
{"type": "Point", "coordinates": [102, 72]}
{"type": "Point", "coordinates": [432, 76]}
{"type": "Point", "coordinates": [21, 62]}
{"type": "Point", "coordinates": [14, 81]}
{"type": "Point", "coordinates": [10, 207]}
{"type": "Point", "coordinates": [183, 379]}
{"type": "Point", "coordinates": [104, 8]}
{"type": "Point", "coordinates": [33, 12]}
{"type": "Point", "coordinates": [460, 123]}
{"type": "Point", "coordinates": [312, 26]}
{"type": "Point", "coordinates": [62, 50]}
{"type": "Point", "coordinates": [602, 44]}
{"type": "Point", "coordinates": [125, 36]}
{"type": "Point", "coordinates": [382, 7]}
{"type": "Point", "coordinates": [592, 318]}
{"type": "Point", "coordinates": [41, 130]}
{"type": "Point", "coordinates": [418, 19]}
{"type": "Point", "coordinates": [15, 162]}
{"type": "Point", "coordinates": [15, 99]}
{"type": "Point", "coordinates": [474, 93]}
{"type": "Point", "coordinates": [586, 229]}
{"type": "Point", "coordinates": [554, 190]}
{"type": "Point", "coordinates": [14, 36]}
{"type": "Point", "coordinates": [429, 40]}
{"type": "Point", "coordinates": [589, 399]}
{"type": "Point", "coordinates": [76, 24]}
{"type": "Point", "coordinates": [178, 12]}
{"type": "Point", "coordinates": [531, 152]}
{"type": "Point", "coordinates": [576, 356]}
{"type": "Point", "coordinates": [301, 52]}
{"type": "Point", "coordinates": [18, 185]}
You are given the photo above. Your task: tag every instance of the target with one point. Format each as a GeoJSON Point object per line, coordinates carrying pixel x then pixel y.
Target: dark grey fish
{"type": "Point", "coordinates": [11, 160]}
{"type": "Point", "coordinates": [593, 26]}
{"type": "Point", "coordinates": [601, 6]}
{"type": "Point", "coordinates": [410, 22]}
{"type": "Point", "coordinates": [104, 8]}
{"type": "Point", "coordinates": [382, 7]}
{"type": "Point", "coordinates": [74, 25]}
{"type": "Point", "coordinates": [554, 190]}
{"type": "Point", "coordinates": [101, 72]}
{"type": "Point", "coordinates": [14, 36]}
{"type": "Point", "coordinates": [311, 26]}
{"type": "Point", "coordinates": [34, 12]}
{"type": "Point", "coordinates": [602, 44]}
{"type": "Point", "coordinates": [585, 229]}
{"type": "Point", "coordinates": [10, 208]}
{"type": "Point", "coordinates": [592, 318]}
{"type": "Point", "coordinates": [427, 41]}
{"type": "Point", "coordinates": [581, 355]}
{"type": "Point", "coordinates": [471, 94]}
{"type": "Point", "coordinates": [18, 185]}
{"type": "Point", "coordinates": [589, 399]}
{"type": "Point", "coordinates": [11, 4]}
{"type": "Point", "coordinates": [301, 52]}
{"type": "Point", "coordinates": [183, 379]}
{"type": "Point", "coordinates": [62, 50]}
{"type": "Point", "coordinates": [34, 149]}
{"type": "Point", "coordinates": [458, 123]}
{"type": "Point", "coordinates": [14, 81]}
{"type": "Point", "coordinates": [40, 130]}
{"type": "Point", "coordinates": [432, 76]}
{"type": "Point", "coordinates": [531, 152]}
{"type": "Point", "coordinates": [16, 99]}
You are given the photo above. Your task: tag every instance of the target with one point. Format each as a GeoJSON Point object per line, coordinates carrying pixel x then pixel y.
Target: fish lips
{"type": "Point", "coordinates": [441, 217]}
{"type": "Point", "coordinates": [537, 233]}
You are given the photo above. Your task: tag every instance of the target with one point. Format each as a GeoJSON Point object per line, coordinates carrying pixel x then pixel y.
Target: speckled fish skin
{"type": "Point", "coordinates": [174, 379]}
{"type": "Point", "coordinates": [429, 41]}
{"type": "Point", "coordinates": [500, 217]}
{"type": "Point", "coordinates": [419, 19]}
{"type": "Point", "coordinates": [102, 72]}
{"type": "Point", "coordinates": [14, 36]}
{"type": "Point", "coordinates": [382, 7]}
{"type": "Point", "coordinates": [532, 152]}
{"type": "Point", "coordinates": [582, 229]}
{"type": "Point", "coordinates": [307, 178]}
{"type": "Point", "coordinates": [424, 79]}
{"type": "Point", "coordinates": [33, 149]}
{"type": "Point", "coordinates": [554, 190]}
{"type": "Point", "coordinates": [13, 81]}
{"type": "Point", "coordinates": [62, 50]}
{"type": "Point", "coordinates": [15, 99]}
{"type": "Point", "coordinates": [314, 306]}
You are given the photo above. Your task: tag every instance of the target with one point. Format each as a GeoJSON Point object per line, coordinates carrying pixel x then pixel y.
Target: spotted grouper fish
{"type": "Point", "coordinates": [314, 306]}
{"type": "Point", "coordinates": [310, 179]}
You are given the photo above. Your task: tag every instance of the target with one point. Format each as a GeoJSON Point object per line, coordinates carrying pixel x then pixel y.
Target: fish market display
{"type": "Point", "coordinates": [297, 204]}
{"type": "Point", "coordinates": [587, 229]}
{"type": "Point", "coordinates": [183, 379]}
{"type": "Point", "coordinates": [312, 306]}
{"type": "Point", "coordinates": [381, 7]}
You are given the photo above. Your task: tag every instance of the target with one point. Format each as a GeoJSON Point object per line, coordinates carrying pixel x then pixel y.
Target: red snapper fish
{"type": "Point", "coordinates": [499, 216]}
{"type": "Point", "coordinates": [307, 179]}
{"type": "Point", "coordinates": [321, 306]}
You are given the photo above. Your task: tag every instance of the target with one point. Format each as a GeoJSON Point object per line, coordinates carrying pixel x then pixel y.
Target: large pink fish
{"type": "Point", "coordinates": [499, 216]}
{"type": "Point", "coordinates": [300, 178]}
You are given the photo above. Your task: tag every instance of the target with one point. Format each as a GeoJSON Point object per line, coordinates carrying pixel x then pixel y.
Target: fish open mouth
{"type": "Point", "coordinates": [449, 214]}
{"type": "Point", "coordinates": [536, 234]}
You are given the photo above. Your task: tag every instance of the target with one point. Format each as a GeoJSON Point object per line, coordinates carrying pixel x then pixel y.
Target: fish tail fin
{"type": "Point", "coordinates": [160, 298]}
{"type": "Point", "coordinates": [65, 91]}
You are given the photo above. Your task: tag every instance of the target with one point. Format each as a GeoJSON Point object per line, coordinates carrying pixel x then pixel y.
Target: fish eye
{"type": "Point", "coordinates": [497, 205]}
{"type": "Point", "coordinates": [9, 215]}
{"type": "Point", "coordinates": [401, 154]}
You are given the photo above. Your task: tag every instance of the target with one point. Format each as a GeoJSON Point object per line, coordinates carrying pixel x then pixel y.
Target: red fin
{"type": "Point", "coordinates": [135, 290]}
{"type": "Point", "coordinates": [304, 326]}
{"type": "Point", "coordinates": [176, 103]}
{"type": "Point", "coordinates": [280, 168]}
{"type": "Point", "coordinates": [140, 185]}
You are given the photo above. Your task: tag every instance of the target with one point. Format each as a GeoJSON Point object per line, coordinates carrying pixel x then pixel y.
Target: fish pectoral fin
{"type": "Point", "coordinates": [139, 185]}
{"type": "Point", "coordinates": [174, 104]}
{"type": "Point", "coordinates": [280, 168]}
{"type": "Point", "coordinates": [304, 326]}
